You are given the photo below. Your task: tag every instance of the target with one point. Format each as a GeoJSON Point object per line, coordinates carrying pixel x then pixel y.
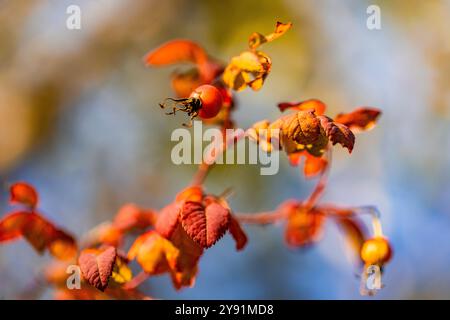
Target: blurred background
{"type": "Point", "coordinates": [79, 119]}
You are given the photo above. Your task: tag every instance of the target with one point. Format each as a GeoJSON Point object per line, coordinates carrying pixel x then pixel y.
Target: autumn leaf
{"type": "Point", "coordinates": [97, 267]}
{"type": "Point", "coordinates": [11, 226]}
{"type": "Point", "coordinates": [186, 267]}
{"type": "Point", "coordinates": [257, 39]}
{"type": "Point", "coordinates": [237, 233]}
{"type": "Point", "coordinates": [338, 133]}
{"type": "Point", "coordinates": [39, 232]}
{"type": "Point", "coordinates": [361, 119]}
{"type": "Point", "coordinates": [154, 253]}
{"type": "Point", "coordinates": [176, 51]}
{"type": "Point", "coordinates": [303, 127]}
{"type": "Point", "coordinates": [205, 224]}
{"type": "Point", "coordinates": [248, 69]}
{"type": "Point", "coordinates": [23, 193]}
{"type": "Point", "coordinates": [184, 83]}
{"type": "Point", "coordinates": [312, 104]}
{"type": "Point", "coordinates": [168, 219]}
{"type": "Point", "coordinates": [121, 271]}
{"type": "Point", "coordinates": [132, 217]}
{"type": "Point", "coordinates": [314, 165]}
{"type": "Point", "coordinates": [181, 51]}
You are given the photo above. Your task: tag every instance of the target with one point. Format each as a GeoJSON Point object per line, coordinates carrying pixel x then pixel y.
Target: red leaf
{"type": "Point", "coordinates": [97, 267]}
{"type": "Point", "coordinates": [132, 217]}
{"type": "Point", "coordinates": [237, 233]}
{"type": "Point", "coordinates": [167, 220]}
{"type": "Point", "coordinates": [39, 232]}
{"type": "Point", "coordinates": [205, 225]}
{"type": "Point", "coordinates": [176, 51]}
{"type": "Point", "coordinates": [11, 226]}
{"type": "Point", "coordinates": [360, 119]}
{"type": "Point", "coordinates": [23, 193]}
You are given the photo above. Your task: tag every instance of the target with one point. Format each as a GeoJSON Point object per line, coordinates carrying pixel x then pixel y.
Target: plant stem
{"type": "Point", "coordinates": [319, 189]}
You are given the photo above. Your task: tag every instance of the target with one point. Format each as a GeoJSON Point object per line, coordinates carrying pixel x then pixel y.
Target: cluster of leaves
{"type": "Point", "coordinates": [28, 223]}
{"type": "Point", "coordinates": [172, 240]}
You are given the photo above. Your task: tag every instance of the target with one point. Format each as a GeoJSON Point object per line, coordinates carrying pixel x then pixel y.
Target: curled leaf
{"type": "Point", "coordinates": [39, 232]}
{"type": "Point", "coordinates": [338, 133]}
{"type": "Point", "coordinates": [361, 119]}
{"type": "Point", "coordinates": [237, 233]}
{"type": "Point", "coordinates": [23, 193]}
{"type": "Point", "coordinates": [248, 69]}
{"type": "Point", "coordinates": [257, 39]}
{"type": "Point", "coordinates": [97, 267]}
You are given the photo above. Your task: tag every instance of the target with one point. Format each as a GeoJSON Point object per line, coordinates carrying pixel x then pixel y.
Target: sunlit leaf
{"type": "Point", "coordinates": [39, 232]}
{"type": "Point", "coordinates": [257, 39]}
{"type": "Point", "coordinates": [176, 51]}
{"type": "Point", "coordinates": [237, 233]}
{"type": "Point", "coordinates": [154, 253]}
{"type": "Point", "coordinates": [361, 119]}
{"type": "Point", "coordinates": [23, 193]}
{"type": "Point", "coordinates": [205, 224]}
{"type": "Point", "coordinates": [97, 266]}
{"type": "Point", "coordinates": [312, 104]}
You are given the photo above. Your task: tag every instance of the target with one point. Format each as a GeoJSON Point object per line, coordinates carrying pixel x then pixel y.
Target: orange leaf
{"type": "Point", "coordinates": [23, 193]}
{"type": "Point", "coordinates": [39, 232]}
{"type": "Point", "coordinates": [190, 253]}
{"type": "Point", "coordinates": [237, 233]}
{"type": "Point", "coordinates": [205, 225]}
{"type": "Point", "coordinates": [97, 267]}
{"type": "Point", "coordinates": [132, 217]}
{"type": "Point", "coordinates": [312, 104]}
{"type": "Point", "coordinates": [168, 220]}
{"type": "Point", "coordinates": [314, 165]}
{"type": "Point", "coordinates": [11, 226]}
{"type": "Point", "coordinates": [154, 253]}
{"type": "Point", "coordinates": [257, 39]}
{"type": "Point", "coordinates": [186, 82]}
{"type": "Point", "coordinates": [176, 51]}
{"type": "Point", "coordinates": [361, 119]}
